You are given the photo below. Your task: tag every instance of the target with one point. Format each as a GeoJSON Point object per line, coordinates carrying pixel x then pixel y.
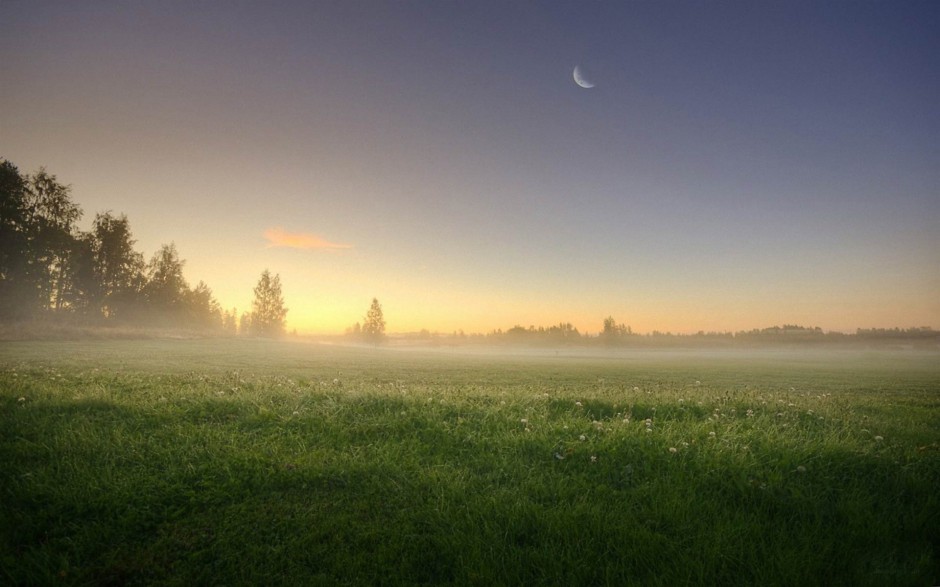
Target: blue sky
{"type": "Point", "coordinates": [737, 165]}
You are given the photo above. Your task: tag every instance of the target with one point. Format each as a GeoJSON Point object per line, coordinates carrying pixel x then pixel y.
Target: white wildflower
{"type": "Point", "coordinates": [582, 438]}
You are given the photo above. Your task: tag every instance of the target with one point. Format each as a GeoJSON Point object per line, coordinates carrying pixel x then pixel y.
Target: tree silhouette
{"type": "Point", "coordinates": [267, 309]}
{"type": "Point", "coordinates": [53, 216]}
{"type": "Point", "coordinates": [166, 287]}
{"type": "Point", "coordinates": [118, 268]}
{"type": "Point", "coordinates": [17, 289]}
{"type": "Point", "coordinates": [373, 328]}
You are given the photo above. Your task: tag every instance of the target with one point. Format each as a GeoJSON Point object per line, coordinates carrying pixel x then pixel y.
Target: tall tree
{"type": "Point", "coordinates": [119, 269]}
{"type": "Point", "coordinates": [52, 218]}
{"type": "Point", "coordinates": [373, 328]}
{"type": "Point", "coordinates": [166, 288]}
{"type": "Point", "coordinates": [267, 309]}
{"type": "Point", "coordinates": [17, 291]}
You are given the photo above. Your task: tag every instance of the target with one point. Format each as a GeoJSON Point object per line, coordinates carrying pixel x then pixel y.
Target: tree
{"type": "Point", "coordinates": [52, 216]}
{"type": "Point", "coordinates": [166, 289]}
{"type": "Point", "coordinates": [203, 311]}
{"type": "Point", "coordinates": [244, 324]}
{"type": "Point", "coordinates": [373, 328]}
{"type": "Point", "coordinates": [267, 309]}
{"type": "Point", "coordinates": [118, 268]}
{"type": "Point", "coordinates": [230, 322]}
{"type": "Point", "coordinates": [17, 291]}
{"type": "Point", "coordinates": [613, 331]}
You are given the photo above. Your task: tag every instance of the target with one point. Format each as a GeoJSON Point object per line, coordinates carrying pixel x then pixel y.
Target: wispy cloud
{"type": "Point", "coordinates": [278, 237]}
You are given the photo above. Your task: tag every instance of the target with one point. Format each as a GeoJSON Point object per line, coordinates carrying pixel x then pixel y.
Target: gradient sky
{"type": "Point", "coordinates": [737, 165]}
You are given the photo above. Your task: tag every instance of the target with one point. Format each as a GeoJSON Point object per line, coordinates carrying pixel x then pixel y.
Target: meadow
{"type": "Point", "coordinates": [230, 462]}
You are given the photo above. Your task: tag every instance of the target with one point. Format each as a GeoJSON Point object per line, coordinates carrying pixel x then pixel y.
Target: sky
{"type": "Point", "coordinates": [736, 165]}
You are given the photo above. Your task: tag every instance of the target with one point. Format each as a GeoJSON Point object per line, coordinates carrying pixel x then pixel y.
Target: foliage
{"type": "Point", "coordinates": [373, 327]}
{"type": "Point", "coordinates": [267, 309]}
{"type": "Point", "coordinates": [50, 269]}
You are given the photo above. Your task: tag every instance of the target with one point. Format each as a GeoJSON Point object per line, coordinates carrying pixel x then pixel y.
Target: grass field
{"type": "Point", "coordinates": [244, 462]}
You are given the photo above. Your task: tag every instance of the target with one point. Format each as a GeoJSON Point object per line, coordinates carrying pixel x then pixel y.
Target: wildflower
{"type": "Point", "coordinates": [593, 459]}
{"type": "Point", "coordinates": [524, 420]}
{"type": "Point", "coordinates": [296, 413]}
{"type": "Point", "coordinates": [698, 382]}
{"type": "Point", "coordinates": [673, 449]}
{"type": "Point", "coordinates": [711, 434]}
{"type": "Point", "coordinates": [21, 399]}
{"type": "Point", "coordinates": [649, 422]}
{"type": "Point", "coordinates": [636, 389]}
{"type": "Point", "coordinates": [801, 469]}
{"type": "Point", "coordinates": [879, 438]}
{"type": "Point", "coordinates": [649, 429]}
{"type": "Point", "coordinates": [681, 401]}
{"type": "Point", "coordinates": [559, 456]}
{"type": "Point", "coordinates": [750, 413]}
{"type": "Point", "coordinates": [582, 438]}
{"type": "Point", "coordinates": [577, 404]}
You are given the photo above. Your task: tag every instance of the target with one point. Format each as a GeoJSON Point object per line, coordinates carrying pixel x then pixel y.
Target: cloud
{"type": "Point", "coordinates": [278, 237]}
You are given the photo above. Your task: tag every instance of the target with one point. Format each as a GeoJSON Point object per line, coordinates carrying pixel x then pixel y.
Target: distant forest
{"type": "Point", "coordinates": [53, 274]}
{"type": "Point", "coordinates": [619, 335]}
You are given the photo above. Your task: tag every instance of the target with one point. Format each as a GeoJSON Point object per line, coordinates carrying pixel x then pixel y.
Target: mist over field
{"type": "Point", "coordinates": [284, 462]}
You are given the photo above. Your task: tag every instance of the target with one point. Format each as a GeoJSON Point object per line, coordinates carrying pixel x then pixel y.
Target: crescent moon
{"type": "Point", "coordinates": [580, 79]}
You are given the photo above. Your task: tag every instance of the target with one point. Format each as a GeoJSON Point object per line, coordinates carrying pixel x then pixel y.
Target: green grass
{"type": "Point", "coordinates": [241, 462]}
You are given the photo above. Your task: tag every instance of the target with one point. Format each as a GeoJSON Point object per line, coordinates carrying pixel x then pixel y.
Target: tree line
{"type": "Point", "coordinates": [51, 269]}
